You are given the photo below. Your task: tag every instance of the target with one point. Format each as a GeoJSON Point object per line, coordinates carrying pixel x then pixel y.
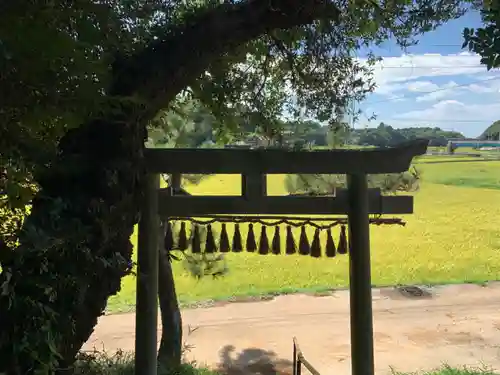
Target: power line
{"type": "Point", "coordinates": [445, 45]}
{"type": "Point", "coordinates": [443, 121]}
{"type": "Point", "coordinates": [431, 67]}
{"type": "Point", "coordinates": [433, 91]}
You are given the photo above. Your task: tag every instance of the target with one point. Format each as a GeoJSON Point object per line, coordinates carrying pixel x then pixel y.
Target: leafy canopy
{"type": "Point", "coordinates": [485, 40]}
{"type": "Point", "coordinates": [60, 62]}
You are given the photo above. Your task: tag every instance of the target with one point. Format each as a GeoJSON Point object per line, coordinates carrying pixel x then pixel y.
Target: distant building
{"type": "Point", "coordinates": [473, 143]}
{"type": "Point", "coordinates": [250, 141]}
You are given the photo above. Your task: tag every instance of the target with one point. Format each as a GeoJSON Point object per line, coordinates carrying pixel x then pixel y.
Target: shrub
{"type": "Point", "coordinates": [122, 363]}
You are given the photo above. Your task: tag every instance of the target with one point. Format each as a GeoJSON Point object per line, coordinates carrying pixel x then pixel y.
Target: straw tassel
{"type": "Point", "coordinates": [276, 245]}
{"type": "Point", "coordinates": [237, 242]}
{"type": "Point", "coordinates": [342, 248]}
{"type": "Point", "coordinates": [251, 244]}
{"type": "Point", "coordinates": [168, 242]}
{"type": "Point", "coordinates": [263, 242]}
{"type": "Point", "coordinates": [304, 248]}
{"type": "Point", "coordinates": [196, 241]}
{"type": "Point", "coordinates": [224, 240]}
{"type": "Point", "coordinates": [316, 245]}
{"type": "Point", "coordinates": [330, 245]}
{"type": "Point", "coordinates": [210, 246]}
{"type": "Point", "coordinates": [183, 241]}
{"type": "Point", "coordinates": [290, 242]}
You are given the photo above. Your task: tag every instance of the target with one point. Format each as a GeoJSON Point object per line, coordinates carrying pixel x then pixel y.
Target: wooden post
{"type": "Point", "coordinates": [360, 277]}
{"type": "Point", "coordinates": [175, 181]}
{"type": "Point", "coordinates": [146, 318]}
{"type": "Point", "coordinates": [253, 186]}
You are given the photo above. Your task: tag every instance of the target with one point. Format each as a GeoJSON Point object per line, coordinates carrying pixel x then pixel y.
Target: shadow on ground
{"type": "Point", "coordinates": [252, 361]}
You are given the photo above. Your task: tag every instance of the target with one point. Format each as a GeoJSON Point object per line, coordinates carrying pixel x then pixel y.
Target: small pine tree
{"type": "Point", "coordinates": [204, 264]}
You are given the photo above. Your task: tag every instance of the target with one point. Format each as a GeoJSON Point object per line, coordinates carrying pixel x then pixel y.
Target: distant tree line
{"type": "Point", "coordinates": [385, 135]}
{"type": "Point", "coordinates": [492, 133]}
{"type": "Point", "coordinates": [200, 130]}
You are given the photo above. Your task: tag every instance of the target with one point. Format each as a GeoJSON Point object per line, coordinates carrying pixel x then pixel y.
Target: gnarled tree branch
{"type": "Point", "coordinates": [163, 69]}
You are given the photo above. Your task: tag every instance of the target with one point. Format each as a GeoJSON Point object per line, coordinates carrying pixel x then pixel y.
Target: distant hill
{"type": "Point", "coordinates": [385, 135]}
{"type": "Point", "coordinates": [492, 132]}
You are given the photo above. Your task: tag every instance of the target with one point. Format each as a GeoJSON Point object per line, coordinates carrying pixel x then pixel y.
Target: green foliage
{"type": "Point", "coordinates": [122, 363]}
{"type": "Point", "coordinates": [203, 264]}
{"type": "Point", "coordinates": [58, 62]}
{"type": "Point", "coordinates": [54, 62]}
{"type": "Point", "coordinates": [316, 63]}
{"type": "Point", "coordinates": [315, 184]}
{"type": "Point", "coordinates": [185, 124]}
{"type": "Point", "coordinates": [471, 173]}
{"type": "Point", "coordinates": [385, 135]}
{"type": "Point", "coordinates": [492, 132]}
{"type": "Point", "coordinates": [297, 132]}
{"type": "Point", "coordinates": [100, 363]}
{"type": "Point", "coordinates": [485, 40]}
{"type": "Point", "coordinates": [42, 277]}
{"type": "Point", "coordinates": [448, 370]}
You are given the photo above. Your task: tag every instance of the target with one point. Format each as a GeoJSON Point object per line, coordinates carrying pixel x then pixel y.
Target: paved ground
{"type": "Point", "coordinates": [458, 325]}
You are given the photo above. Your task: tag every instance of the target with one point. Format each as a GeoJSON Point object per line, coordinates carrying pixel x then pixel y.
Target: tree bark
{"type": "Point", "coordinates": [170, 351]}
{"type": "Point", "coordinates": [75, 246]}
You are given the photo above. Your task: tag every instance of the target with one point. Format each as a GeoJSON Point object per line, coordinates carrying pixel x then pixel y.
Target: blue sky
{"type": "Point", "coordinates": [435, 83]}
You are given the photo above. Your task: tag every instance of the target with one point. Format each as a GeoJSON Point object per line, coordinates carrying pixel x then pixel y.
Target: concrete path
{"type": "Point", "coordinates": [458, 325]}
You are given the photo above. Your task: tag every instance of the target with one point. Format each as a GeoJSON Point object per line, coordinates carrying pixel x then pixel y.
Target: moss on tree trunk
{"type": "Point", "coordinates": [75, 247]}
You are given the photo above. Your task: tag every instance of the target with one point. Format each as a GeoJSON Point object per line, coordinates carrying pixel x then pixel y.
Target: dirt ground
{"type": "Point", "coordinates": [458, 325]}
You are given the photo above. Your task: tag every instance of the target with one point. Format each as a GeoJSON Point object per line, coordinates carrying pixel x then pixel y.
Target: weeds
{"type": "Point", "coordinates": [122, 363]}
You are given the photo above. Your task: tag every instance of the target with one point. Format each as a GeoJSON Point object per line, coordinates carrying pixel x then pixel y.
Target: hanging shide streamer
{"type": "Point", "coordinates": [191, 231]}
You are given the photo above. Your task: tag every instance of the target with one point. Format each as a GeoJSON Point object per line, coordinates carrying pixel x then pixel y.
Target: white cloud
{"type": "Point", "coordinates": [491, 87]}
{"type": "Point", "coordinates": [406, 72]}
{"type": "Point", "coordinates": [422, 86]}
{"type": "Point", "coordinates": [439, 92]}
{"type": "Point", "coordinates": [452, 89]}
{"type": "Point", "coordinates": [406, 67]}
{"type": "Point", "coordinates": [449, 91]}
{"type": "Point", "coordinates": [449, 110]}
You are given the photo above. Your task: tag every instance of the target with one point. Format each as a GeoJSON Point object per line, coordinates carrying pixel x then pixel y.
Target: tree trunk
{"type": "Point", "coordinates": [75, 246]}
{"type": "Point", "coordinates": [170, 352]}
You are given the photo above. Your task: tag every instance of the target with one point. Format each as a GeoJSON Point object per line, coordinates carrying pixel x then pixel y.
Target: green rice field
{"type": "Point", "coordinates": [453, 237]}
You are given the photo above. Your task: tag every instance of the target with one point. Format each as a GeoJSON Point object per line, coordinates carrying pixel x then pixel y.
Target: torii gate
{"type": "Point", "coordinates": [358, 202]}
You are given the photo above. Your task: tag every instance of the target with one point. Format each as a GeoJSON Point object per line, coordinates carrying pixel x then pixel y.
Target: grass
{"type": "Point", "coordinates": [475, 174]}
{"type": "Point", "coordinates": [452, 237]}
{"type": "Point", "coordinates": [448, 370]}
{"type": "Point", "coordinates": [121, 363]}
